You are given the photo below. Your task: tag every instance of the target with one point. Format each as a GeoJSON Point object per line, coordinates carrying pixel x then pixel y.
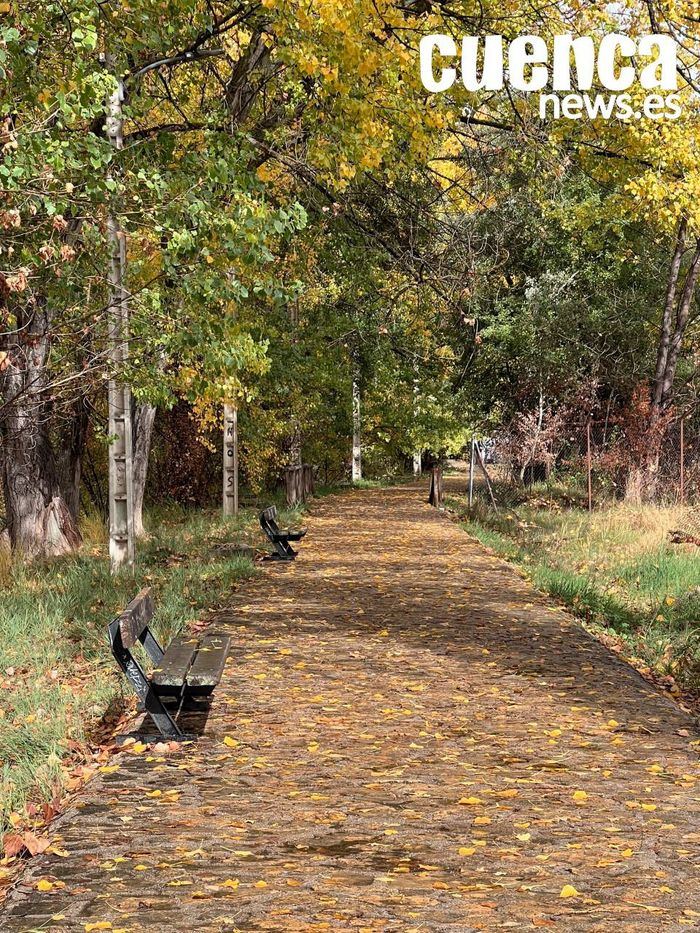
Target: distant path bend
{"type": "Point", "coordinates": [418, 742]}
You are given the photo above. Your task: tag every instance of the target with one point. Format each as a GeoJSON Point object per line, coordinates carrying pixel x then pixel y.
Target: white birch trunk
{"type": "Point", "coordinates": [356, 429]}
{"type": "Point", "coordinates": [121, 515]}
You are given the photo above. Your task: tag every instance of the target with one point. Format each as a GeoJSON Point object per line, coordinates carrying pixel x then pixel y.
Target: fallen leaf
{"type": "Point", "coordinates": [569, 891]}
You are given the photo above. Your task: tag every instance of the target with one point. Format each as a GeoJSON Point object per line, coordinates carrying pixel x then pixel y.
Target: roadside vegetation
{"type": "Point", "coordinates": [615, 568]}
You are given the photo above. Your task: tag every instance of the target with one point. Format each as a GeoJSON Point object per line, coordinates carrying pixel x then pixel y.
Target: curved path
{"type": "Point", "coordinates": [417, 742]}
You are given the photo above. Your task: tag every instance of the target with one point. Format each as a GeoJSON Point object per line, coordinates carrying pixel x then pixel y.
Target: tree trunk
{"type": "Point", "coordinates": [667, 317]}
{"type": "Point", "coordinates": [356, 428]}
{"type": "Point", "coordinates": [70, 456]}
{"type": "Point", "coordinates": [435, 497]}
{"type": "Point", "coordinates": [144, 417]}
{"type": "Point", "coordinates": [642, 480]}
{"type": "Point", "coordinates": [675, 319]}
{"type": "Point", "coordinates": [664, 389]}
{"type": "Point", "coordinates": [39, 522]}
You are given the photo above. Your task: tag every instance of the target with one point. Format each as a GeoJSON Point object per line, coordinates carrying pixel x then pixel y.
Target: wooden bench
{"type": "Point", "coordinates": [280, 539]}
{"type": "Point", "coordinates": [191, 667]}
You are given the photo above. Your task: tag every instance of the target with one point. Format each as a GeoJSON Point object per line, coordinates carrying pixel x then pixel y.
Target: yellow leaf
{"type": "Point", "coordinates": [524, 837]}
{"type": "Point", "coordinates": [109, 769]}
{"type": "Point", "coordinates": [231, 883]}
{"type": "Point", "coordinates": [482, 820]}
{"type": "Point", "coordinates": [260, 884]}
{"type": "Point", "coordinates": [580, 796]}
{"type": "Point", "coordinates": [232, 743]}
{"type": "Point", "coordinates": [155, 793]}
{"type": "Point", "coordinates": [100, 925]}
{"type": "Point", "coordinates": [470, 801]}
{"type": "Point", "coordinates": [627, 853]}
{"type": "Point", "coordinates": [467, 850]}
{"type": "Point", "coordinates": [44, 885]}
{"type": "Point", "coordinates": [649, 807]}
{"type": "Point", "coordinates": [569, 891]}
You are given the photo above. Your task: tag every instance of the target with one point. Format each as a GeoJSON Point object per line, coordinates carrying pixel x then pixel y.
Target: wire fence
{"type": "Point", "coordinates": [591, 465]}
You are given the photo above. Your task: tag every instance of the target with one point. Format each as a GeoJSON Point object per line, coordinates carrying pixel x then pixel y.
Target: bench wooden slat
{"type": "Point", "coordinates": [208, 666]}
{"type": "Point", "coordinates": [136, 617]}
{"type": "Point", "coordinates": [177, 660]}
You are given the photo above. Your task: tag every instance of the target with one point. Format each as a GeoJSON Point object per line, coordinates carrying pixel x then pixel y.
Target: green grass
{"type": "Point", "coordinates": [57, 676]}
{"type": "Point", "coordinates": [614, 568]}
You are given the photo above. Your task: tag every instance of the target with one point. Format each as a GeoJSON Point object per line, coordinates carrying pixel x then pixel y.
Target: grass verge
{"type": "Point", "coordinates": [614, 568]}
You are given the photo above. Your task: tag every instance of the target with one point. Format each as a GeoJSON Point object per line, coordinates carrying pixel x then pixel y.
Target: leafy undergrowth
{"type": "Point", "coordinates": [615, 568]}
{"type": "Point", "coordinates": [58, 682]}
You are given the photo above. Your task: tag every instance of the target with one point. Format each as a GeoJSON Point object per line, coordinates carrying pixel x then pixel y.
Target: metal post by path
{"type": "Point", "coordinates": [471, 475]}
{"type": "Point", "coordinates": [682, 461]}
{"type": "Point", "coordinates": [121, 498]}
{"type": "Point", "coordinates": [230, 460]}
{"type": "Point", "coordinates": [589, 467]}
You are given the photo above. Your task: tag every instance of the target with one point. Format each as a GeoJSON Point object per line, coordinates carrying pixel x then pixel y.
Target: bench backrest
{"type": "Point", "coordinates": [268, 519]}
{"type": "Point", "coordinates": [135, 618]}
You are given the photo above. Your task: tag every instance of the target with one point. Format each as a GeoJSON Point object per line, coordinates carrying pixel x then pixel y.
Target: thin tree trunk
{"type": "Point", "coordinates": [144, 418]}
{"type": "Point", "coordinates": [667, 318]}
{"type": "Point", "coordinates": [642, 480]}
{"type": "Point", "coordinates": [487, 478]}
{"type": "Point", "coordinates": [682, 317]}
{"type": "Point", "coordinates": [356, 428]}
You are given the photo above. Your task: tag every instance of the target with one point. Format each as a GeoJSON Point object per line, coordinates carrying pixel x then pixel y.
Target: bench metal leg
{"type": "Point", "coordinates": [142, 688]}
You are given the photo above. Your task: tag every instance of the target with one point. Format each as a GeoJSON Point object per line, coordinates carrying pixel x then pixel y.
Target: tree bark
{"type": "Point", "coordinates": [356, 428]}
{"type": "Point", "coordinates": [668, 374]}
{"type": "Point", "coordinates": [70, 455]}
{"type": "Point", "coordinates": [39, 522]}
{"type": "Point", "coordinates": [642, 480]}
{"type": "Point", "coordinates": [435, 497]}
{"type": "Point", "coordinates": [144, 418]}
{"type": "Point", "coordinates": [667, 317]}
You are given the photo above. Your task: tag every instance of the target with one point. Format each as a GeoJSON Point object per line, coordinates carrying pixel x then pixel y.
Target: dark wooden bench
{"type": "Point", "coordinates": [190, 668]}
{"type": "Point", "coordinates": [280, 539]}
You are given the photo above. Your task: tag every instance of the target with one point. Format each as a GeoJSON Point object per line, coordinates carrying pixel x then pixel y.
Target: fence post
{"type": "Point", "coordinates": [471, 476]}
{"type": "Point", "coordinates": [682, 461]}
{"type": "Point", "coordinates": [298, 483]}
{"type": "Point", "coordinates": [230, 460]}
{"type": "Point", "coordinates": [435, 497]}
{"type": "Point", "coordinates": [589, 466]}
